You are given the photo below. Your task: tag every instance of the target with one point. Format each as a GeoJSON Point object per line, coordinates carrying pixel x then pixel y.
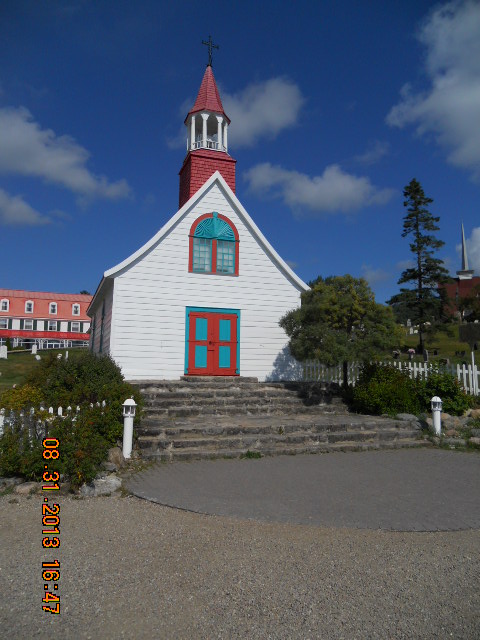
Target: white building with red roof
{"type": "Point", "coordinates": [205, 295]}
{"type": "Point", "coordinates": [44, 319]}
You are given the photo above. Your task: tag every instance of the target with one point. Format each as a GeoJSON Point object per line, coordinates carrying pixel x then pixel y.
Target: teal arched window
{"type": "Point", "coordinates": [214, 245]}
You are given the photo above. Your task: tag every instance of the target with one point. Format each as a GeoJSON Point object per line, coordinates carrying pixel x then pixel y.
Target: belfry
{"type": "Point", "coordinates": [207, 141]}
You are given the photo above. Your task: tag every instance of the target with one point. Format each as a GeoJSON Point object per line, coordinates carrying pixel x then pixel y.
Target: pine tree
{"type": "Point", "coordinates": [423, 300]}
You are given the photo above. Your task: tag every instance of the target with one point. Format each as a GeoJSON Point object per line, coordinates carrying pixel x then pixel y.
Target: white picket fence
{"type": "Point", "coordinates": [7, 415]}
{"type": "Point", "coordinates": [467, 375]}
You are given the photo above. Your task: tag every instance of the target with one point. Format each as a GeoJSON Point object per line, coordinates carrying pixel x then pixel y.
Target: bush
{"type": "Point", "coordinates": [446, 386]}
{"type": "Point", "coordinates": [82, 378]}
{"type": "Point", "coordinates": [385, 389]}
{"type": "Point", "coordinates": [20, 398]}
{"type": "Point", "coordinates": [82, 448]}
{"type": "Point", "coordinates": [21, 448]}
{"type": "Point", "coordinates": [84, 440]}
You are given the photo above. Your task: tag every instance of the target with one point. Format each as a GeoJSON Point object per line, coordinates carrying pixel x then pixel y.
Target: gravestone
{"type": "Point", "coordinates": [3, 352]}
{"type": "Point", "coordinates": [34, 349]}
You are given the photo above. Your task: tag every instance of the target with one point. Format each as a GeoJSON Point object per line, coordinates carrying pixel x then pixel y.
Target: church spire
{"type": "Point", "coordinates": [206, 122]}
{"type": "Point", "coordinates": [207, 139]}
{"type": "Point", "coordinates": [465, 273]}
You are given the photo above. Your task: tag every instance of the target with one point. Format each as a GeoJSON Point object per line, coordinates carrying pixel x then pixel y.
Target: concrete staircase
{"type": "Point", "coordinates": [195, 418]}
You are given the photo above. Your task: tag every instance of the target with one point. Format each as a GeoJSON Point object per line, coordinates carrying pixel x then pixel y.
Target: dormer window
{"type": "Point", "coordinates": [52, 309]}
{"type": "Point", "coordinates": [75, 309]}
{"type": "Point", "coordinates": [29, 306]}
{"type": "Point", "coordinates": [214, 245]}
{"type": "Point", "coordinates": [4, 305]}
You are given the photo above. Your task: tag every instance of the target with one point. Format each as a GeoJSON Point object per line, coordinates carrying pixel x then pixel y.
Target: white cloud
{"type": "Point", "coordinates": [330, 192]}
{"type": "Point", "coordinates": [473, 250]}
{"type": "Point", "coordinates": [450, 107]}
{"type": "Point", "coordinates": [262, 110]}
{"type": "Point", "coordinates": [405, 264]}
{"type": "Point", "coordinates": [374, 276]}
{"type": "Point", "coordinates": [15, 211]}
{"type": "Point", "coordinates": [375, 152]}
{"type": "Point", "coordinates": [28, 150]}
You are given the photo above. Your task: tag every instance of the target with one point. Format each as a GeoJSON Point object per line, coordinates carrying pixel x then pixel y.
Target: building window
{"type": "Point", "coordinates": [76, 327]}
{"type": "Point", "coordinates": [75, 309]}
{"type": "Point", "coordinates": [28, 325]}
{"type": "Point", "coordinates": [3, 323]}
{"type": "Point", "coordinates": [28, 306]}
{"type": "Point", "coordinates": [4, 305]}
{"type": "Point", "coordinates": [225, 256]}
{"type": "Point", "coordinates": [52, 308]}
{"type": "Point", "coordinates": [52, 325]}
{"type": "Point", "coordinates": [214, 245]}
{"type": "Point", "coordinates": [202, 254]}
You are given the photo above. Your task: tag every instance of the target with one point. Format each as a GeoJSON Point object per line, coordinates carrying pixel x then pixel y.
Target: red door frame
{"type": "Point", "coordinates": [212, 343]}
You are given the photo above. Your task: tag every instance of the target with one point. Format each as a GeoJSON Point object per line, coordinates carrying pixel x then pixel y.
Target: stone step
{"type": "Point", "coordinates": [246, 408]}
{"type": "Point", "coordinates": [230, 404]}
{"type": "Point", "coordinates": [265, 441]}
{"type": "Point", "coordinates": [221, 394]}
{"type": "Point", "coordinates": [202, 384]}
{"type": "Point", "coordinates": [202, 454]}
{"type": "Point", "coordinates": [208, 399]}
{"type": "Point", "coordinates": [193, 430]}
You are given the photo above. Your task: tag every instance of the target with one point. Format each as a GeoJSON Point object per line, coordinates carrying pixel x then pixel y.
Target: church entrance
{"type": "Point", "coordinates": [212, 342]}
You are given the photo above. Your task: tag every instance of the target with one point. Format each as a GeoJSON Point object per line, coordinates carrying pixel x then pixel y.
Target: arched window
{"type": "Point", "coordinates": [214, 245]}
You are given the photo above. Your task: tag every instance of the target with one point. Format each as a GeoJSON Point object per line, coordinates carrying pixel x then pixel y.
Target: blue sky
{"type": "Point", "coordinates": [335, 107]}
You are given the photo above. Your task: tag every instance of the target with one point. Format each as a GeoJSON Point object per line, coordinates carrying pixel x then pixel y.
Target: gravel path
{"type": "Point", "coordinates": [134, 569]}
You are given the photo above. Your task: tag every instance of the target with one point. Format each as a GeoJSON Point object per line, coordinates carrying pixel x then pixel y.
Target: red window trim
{"type": "Point", "coordinates": [214, 246]}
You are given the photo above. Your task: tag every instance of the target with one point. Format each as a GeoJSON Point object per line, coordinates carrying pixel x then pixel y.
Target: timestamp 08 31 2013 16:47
{"type": "Point", "coordinates": [50, 527]}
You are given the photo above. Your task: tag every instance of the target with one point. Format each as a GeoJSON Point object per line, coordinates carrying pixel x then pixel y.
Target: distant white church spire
{"type": "Point", "coordinates": [465, 273]}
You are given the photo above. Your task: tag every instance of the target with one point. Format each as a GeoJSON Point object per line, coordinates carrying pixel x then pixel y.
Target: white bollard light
{"type": "Point", "coordinates": [437, 414]}
{"type": "Point", "coordinates": [129, 407]}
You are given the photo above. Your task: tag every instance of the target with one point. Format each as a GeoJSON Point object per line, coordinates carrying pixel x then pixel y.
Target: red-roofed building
{"type": "Point", "coordinates": [462, 286]}
{"type": "Point", "coordinates": [44, 319]}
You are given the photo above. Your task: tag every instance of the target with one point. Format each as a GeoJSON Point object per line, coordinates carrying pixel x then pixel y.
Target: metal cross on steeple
{"type": "Point", "coordinates": [210, 46]}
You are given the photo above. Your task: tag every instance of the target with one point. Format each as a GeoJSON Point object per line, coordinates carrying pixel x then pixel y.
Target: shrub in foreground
{"type": "Point", "coordinates": [446, 386]}
{"type": "Point", "coordinates": [85, 437]}
{"type": "Point", "coordinates": [383, 389]}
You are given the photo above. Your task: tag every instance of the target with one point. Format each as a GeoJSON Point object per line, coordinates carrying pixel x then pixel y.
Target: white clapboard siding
{"type": "Point", "coordinates": [152, 290]}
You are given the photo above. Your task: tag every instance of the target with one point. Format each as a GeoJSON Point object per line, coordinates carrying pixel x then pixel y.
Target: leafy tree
{"type": "Point", "coordinates": [423, 300]}
{"type": "Point", "coordinates": [85, 292]}
{"type": "Point", "coordinates": [469, 305]}
{"type": "Point", "coordinates": [339, 321]}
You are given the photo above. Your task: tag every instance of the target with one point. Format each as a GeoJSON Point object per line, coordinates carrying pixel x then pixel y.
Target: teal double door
{"type": "Point", "coordinates": [212, 342]}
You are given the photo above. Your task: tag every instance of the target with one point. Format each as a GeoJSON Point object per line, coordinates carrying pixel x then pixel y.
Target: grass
{"type": "Point", "coordinates": [20, 364]}
{"type": "Point", "coordinates": [445, 345]}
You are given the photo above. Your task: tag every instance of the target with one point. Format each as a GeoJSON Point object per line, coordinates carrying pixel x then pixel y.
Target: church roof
{"type": "Point", "coordinates": [208, 98]}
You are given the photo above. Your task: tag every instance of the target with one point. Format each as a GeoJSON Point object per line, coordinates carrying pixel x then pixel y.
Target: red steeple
{"type": "Point", "coordinates": [207, 141]}
{"type": "Point", "coordinates": [208, 98]}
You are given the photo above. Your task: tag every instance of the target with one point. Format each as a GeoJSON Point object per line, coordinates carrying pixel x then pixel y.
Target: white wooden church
{"type": "Point", "coordinates": [205, 294]}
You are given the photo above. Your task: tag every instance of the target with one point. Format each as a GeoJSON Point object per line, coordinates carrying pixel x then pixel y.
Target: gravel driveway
{"type": "Point", "coordinates": [135, 569]}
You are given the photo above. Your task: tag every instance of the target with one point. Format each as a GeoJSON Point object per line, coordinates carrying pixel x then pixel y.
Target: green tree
{"type": "Point", "coordinates": [469, 305]}
{"type": "Point", "coordinates": [339, 321]}
{"type": "Point", "coordinates": [423, 300]}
